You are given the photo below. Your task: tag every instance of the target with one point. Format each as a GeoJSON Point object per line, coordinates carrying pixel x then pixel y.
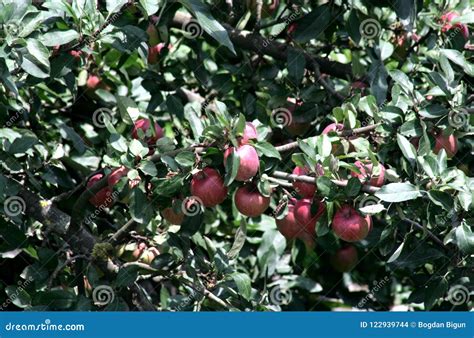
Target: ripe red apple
{"type": "Point", "coordinates": [249, 133]}
{"type": "Point", "coordinates": [172, 216]}
{"type": "Point", "coordinates": [305, 219]}
{"type": "Point", "coordinates": [93, 82]}
{"type": "Point", "coordinates": [447, 26]}
{"type": "Point", "coordinates": [345, 259]}
{"type": "Point", "coordinates": [104, 196]}
{"type": "Point", "coordinates": [349, 225]}
{"type": "Point", "coordinates": [250, 202]}
{"type": "Point", "coordinates": [375, 176]}
{"type": "Point", "coordinates": [447, 142]}
{"type": "Point", "coordinates": [144, 125]}
{"type": "Point", "coordinates": [155, 51]}
{"type": "Point", "coordinates": [306, 190]}
{"type": "Point", "coordinates": [288, 226]}
{"type": "Point", "coordinates": [208, 186]}
{"type": "Point", "coordinates": [249, 162]}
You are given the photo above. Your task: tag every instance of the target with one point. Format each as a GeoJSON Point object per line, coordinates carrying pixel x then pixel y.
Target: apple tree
{"type": "Point", "coordinates": [255, 155]}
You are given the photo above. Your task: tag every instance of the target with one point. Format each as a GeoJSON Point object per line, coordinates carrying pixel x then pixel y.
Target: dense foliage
{"type": "Point", "coordinates": [236, 155]}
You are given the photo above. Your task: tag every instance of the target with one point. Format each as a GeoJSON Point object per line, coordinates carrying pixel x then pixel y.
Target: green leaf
{"type": "Point", "coordinates": [325, 186]}
{"type": "Point", "coordinates": [434, 111]}
{"type": "Point", "coordinates": [231, 167]}
{"type": "Point", "coordinates": [434, 291]}
{"type": "Point", "coordinates": [396, 253]}
{"type": "Point", "coordinates": [209, 24]}
{"type": "Point", "coordinates": [23, 144]}
{"type": "Point", "coordinates": [353, 187]}
{"type": "Point", "coordinates": [150, 6]}
{"type": "Point", "coordinates": [148, 167]}
{"type": "Point", "coordinates": [296, 66]}
{"type": "Point", "coordinates": [57, 37]}
{"type": "Point", "coordinates": [403, 80]}
{"type": "Point", "coordinates": [127, 108]}
{"type": "Point", "coordinates": [185, 159]}
{"type": "Point", "coordinates": [442, 199]}
{"type": "Point", "coordinates": [266, 149]}
{"type": "Point", "coordinates": [239, 240]}
{"type": "Point", "coordinates": [126, 276]}
{"type": "Point", "coordinates": [458, 58]}
{"type": "Point", "coordinates": [137, 149]}
{"type": "Point", "coordinates": [313, 24]}
{"type": "Point", "coordinates": [465, 239]}
{"type": "Point", "coordinates": [398, 192]}
{"type": "Point", "coordinates": [408, 150]}
{"type": "Point", "coordinates": [140, 207]}
{"type": "Point", "coordinates": [18, 296]}
{"type": "Point", "coordinates": [243, 283]}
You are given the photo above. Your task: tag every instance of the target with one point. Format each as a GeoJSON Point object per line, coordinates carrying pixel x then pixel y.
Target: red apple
{"type": "Point", "coordinates": [144, 125]}
{"type": "Point", "coordinates": [306, 190]}
{"type": "Point", "coordinates": [104, 196]}
{"type": "Point", "coordinates": [447, 142]}
{"type": "Point", "coordinates": [209, 187]}
{"type": "Point", "coordinates": [349, 225]}
{"type": "Point", "coordinates": [250, 202]}
{"type": "Point", "coordinates": [155, 51]}
{"type": "Point", "coordinates": [249, 133]}
{"type": "Point", "coordinates": [172, 216]}
{"type": "Point", "coordinates": [375, 176]}
{"type": "Point", "coordinates": [305, 219]}
{"type": "Point", "coordinates": [288, 226]}
{"type": "Point", "coordinates": [345, 259]}
{"type": "Point", "coordinates": [249, 162]}
{"type": "Point", "coordinates": [93, 82]}
{"type": "Point", "coordinates": [447, 26]}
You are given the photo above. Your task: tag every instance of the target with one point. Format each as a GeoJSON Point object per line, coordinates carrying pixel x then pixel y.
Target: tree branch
{"type": "Point", "coordinates": [308, 179]}
{"type": "Point", "coordinates": [279, 51]}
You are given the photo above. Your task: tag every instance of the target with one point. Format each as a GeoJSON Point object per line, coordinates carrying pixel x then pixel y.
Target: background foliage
{"type": "Point", "coordinates": [387, 64]}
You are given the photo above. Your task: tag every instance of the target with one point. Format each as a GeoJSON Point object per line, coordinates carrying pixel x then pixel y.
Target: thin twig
{"type": "Point", "coordinates": [308, 179]}
{"type": "Point", "coordinates": [348, 132]}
